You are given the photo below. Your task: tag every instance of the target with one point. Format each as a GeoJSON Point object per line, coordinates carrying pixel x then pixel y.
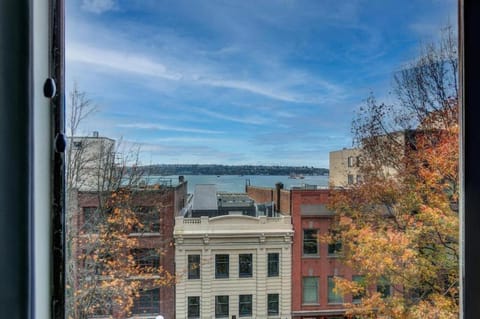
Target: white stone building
{"type": "Point", "coordinates": [233, 266]}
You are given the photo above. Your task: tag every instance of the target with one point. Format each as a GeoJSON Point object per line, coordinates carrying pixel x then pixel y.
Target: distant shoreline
{"type": "Point", "coordinates": [207, 169]}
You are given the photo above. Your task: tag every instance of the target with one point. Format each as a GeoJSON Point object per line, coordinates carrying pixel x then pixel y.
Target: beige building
{"type": "Point", "coordinates": [233, 266]}
{"type": "Point", "coordinates": [344, 167]}
{"type": "Point", "coordinates": [90, 162]}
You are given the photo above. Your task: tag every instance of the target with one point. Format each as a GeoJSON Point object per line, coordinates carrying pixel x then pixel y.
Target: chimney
{"type": "Point", "coordinates": [95, 134]}
{"type": "Point", "coordinates": [278, 187]}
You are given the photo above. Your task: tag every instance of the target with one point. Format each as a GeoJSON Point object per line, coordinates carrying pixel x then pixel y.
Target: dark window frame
{"type": "Point", "coordinates": [273, 265]}
{"type": "Point", "coordinates": [146, 257]}
{"type": "Point", "coordinates": [222, 273]}
{"type": "Point", "coordinates": [313, 238]}
{"type": "Point", "coordinates": [245, 304]}
{"type": "Point", "coordinates": [273, 304]}
{"type": "Point", "coordinates": [334, 249]}
{"type": "Point", "coordinates": [193, 307]}
{"type": "Point", "coordinates": [222, 306]}
{"type": "Point", "coordinates": [194, 270]}
{"type": "Point", "coordinates": [147, 303]}
{"type": "Point", "coordinates": [245, 265]}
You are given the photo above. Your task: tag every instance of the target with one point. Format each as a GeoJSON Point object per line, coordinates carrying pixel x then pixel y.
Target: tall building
{"type": "Point", "coordinates": [230, 264]}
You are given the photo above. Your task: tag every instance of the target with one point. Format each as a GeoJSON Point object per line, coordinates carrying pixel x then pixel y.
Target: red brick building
{"type": "Point", "coordinates": [314, 263]}
{"type": "Point", "coordinates": [156, 208]}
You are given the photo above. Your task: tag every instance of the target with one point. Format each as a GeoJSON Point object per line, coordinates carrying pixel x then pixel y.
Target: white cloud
{"type": "Point", "coordinates": [98, 6]}
{"type": "Point", "coordinates": [160, 127]}
{"type": "Point", "coordinates": [124, 62]}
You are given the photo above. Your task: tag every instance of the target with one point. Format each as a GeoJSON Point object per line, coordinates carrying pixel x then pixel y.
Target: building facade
{"type": "Point", "coordinates": [90, 162]}
{"type": "Point", "coordinates": [345, 167]}
{"type": "Point", "coordinates": [155, 208]}
{"type": "Point", "coordinates": [315, 262]}
{"type": "Point", "coordinates": [233, 266]}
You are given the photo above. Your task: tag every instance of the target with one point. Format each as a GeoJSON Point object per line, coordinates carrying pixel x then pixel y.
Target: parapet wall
{"type": "Point", "coordinates": [268, 194]}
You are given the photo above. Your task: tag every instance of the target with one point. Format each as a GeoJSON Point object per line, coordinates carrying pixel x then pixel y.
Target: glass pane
{"type": "Point", "coordinates": [310, 290]}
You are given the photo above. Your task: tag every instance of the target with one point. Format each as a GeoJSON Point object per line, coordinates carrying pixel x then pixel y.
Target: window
{"type": "Point", "coordinates": [273, 265]}
{"type": "Point", "coordinates": [359, 179]}
{"type": "Point", "coordinates": [360, 280]}
{"type": "Point", "coordinates": [148, 220]}
{"type": "Point", "coordinates": [310, 243]}
{"type": "Point", "coordinates": [193, 266]}
{"type": "Point", "coordinates": [148, 302]}
{"type": "Point", "coordinates": [359, 160]}
{"type": "Point", "coordinates": [272, 304]}
{"type": "Point", "coordinates": [351, 161]}
{"type": "Point", "coordinates": [384, 288]}
{"type": "Point", "coordinates": [333, 297]}
{"type": "Point", "coordinates": [350, 179]}
{"type": "Point", "coordinates": [146, 257]}
{"type": "Point", "coordinates": [221, 306]}
{"type": "Point", "coordinates": [310, 290]}
{"type": "Point", "coordinates": [221, 266]}
{"type": "Point", "coordinates": [245, 265]}
{"type": "Point", "coordinates": [334, 249]}
{"type": "Point", "coordinates": [90, 220]}
{"type": "Point", "coordinates": [245, 305]}
{"type": "Point", "coordinates": [193, 307]}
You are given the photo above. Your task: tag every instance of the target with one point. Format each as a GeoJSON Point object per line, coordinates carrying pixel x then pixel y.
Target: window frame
{"type": "Point", "coordinates": [315, 286]}
{"type": "Point", "coordinates": [248, 264]}
{"type": "Point", "coordinates": [226, 273]}
{"type": "Point", "coordinates": [197, 313]}
{"type": "Point", "coordinates": [470, 288]}
{"type": "Point", "coordinates": [193, 272]}
{"type": "Point", "coordinates": [332, 297]}
{"type": "Point", "coordinates": [275, 264]}
{"type": "Point", "coordinates": [218, 306]}
{"type": "Point", "coordinates": [360, 280]}
{"type": "Point", "coordinates": [150, 258]}
{"type": "Point", "coordinates": [154, 300]}
{"type": "Point", "coordinates": [276, 303]}
{"type": "Point", "coordinates": [315, 238]}
{"type": "Point", "coordinates": [248, 303]}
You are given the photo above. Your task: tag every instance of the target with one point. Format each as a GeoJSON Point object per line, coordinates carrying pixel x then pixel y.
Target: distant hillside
{"type": "Point", "coordinates": [187, 169]}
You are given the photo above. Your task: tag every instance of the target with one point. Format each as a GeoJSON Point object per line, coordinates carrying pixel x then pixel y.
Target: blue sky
{"type": "Point", "coordinates": [240, 82]}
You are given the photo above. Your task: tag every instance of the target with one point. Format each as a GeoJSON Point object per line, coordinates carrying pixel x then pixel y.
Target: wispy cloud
{"type": "Point", "coordinates": [124, 62]}
{"type": "Point", "coordinates": [251, 120]}
{"type": "Point", "coordinates": [286, 88]}
{"type": "Point", "coordinates": [98, 6]}
{"type": "Point", "coordinates": [160, 127]}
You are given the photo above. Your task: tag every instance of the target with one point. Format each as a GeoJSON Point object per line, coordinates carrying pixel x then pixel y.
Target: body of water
{"type": "Point", "coordinates": [236, 183]}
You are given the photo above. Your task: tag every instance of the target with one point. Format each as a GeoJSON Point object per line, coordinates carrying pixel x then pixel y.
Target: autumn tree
{"type": "Point", "coordinates": [400, 226]}
{"type": "Point", "coordinates": [106, 265]}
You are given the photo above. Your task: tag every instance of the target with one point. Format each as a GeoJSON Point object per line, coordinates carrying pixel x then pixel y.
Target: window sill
{"type": "Point", "coordinates": [311, 256]}
{"type": "Point", "coordinates": [310, 304]}
{"type": "Point", "coordinates": [334, 256]}
{"type": "Point", "coordinates": [335, 303]}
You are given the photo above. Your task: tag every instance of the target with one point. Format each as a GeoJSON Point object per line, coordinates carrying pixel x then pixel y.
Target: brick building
{"type": "Point", "coordinates": [156, 208]}
{"type": "Point", "coordinates": [314, 263]}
